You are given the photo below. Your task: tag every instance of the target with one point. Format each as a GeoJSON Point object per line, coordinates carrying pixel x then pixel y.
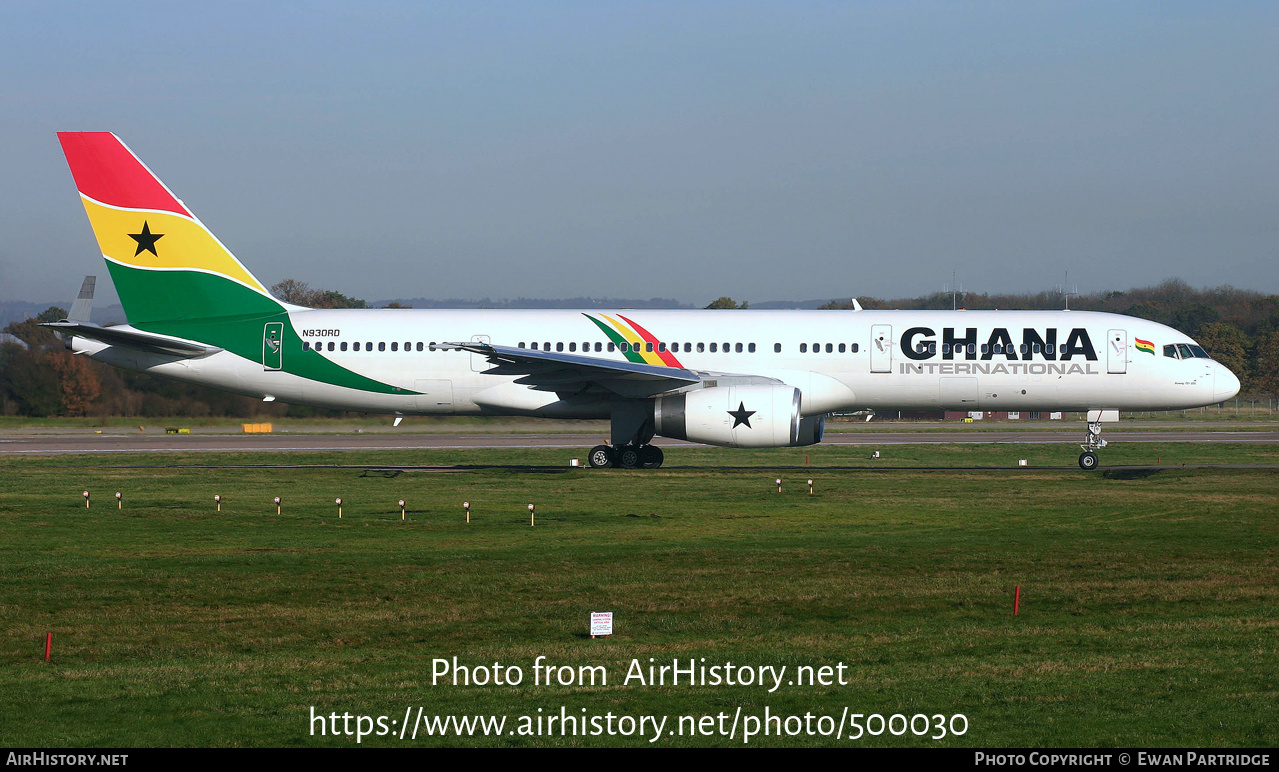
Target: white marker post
{"type": "Point", "coordinates": [338, 501]}
{"type": "Point", "coordinates": [601, 624]}
{"type": "Point", "coordinates": [86, 499]}
{"type": "Point", "coordinates": [401, 509]}
{"type": "Point", "coordinates": [810, 487]}
{"type": "Point", "coordinates": [277, 505]}
{"type": "Point", "coordinates": [779, 485]}
{"type": "Point", "coordinates": [532, 512]}
{"type": "Point", "coordinates": [119, 500]}
{"type": "Point", "coordinates": [217, 499]}
{"type": "Point", "coordinates": [467, 506]}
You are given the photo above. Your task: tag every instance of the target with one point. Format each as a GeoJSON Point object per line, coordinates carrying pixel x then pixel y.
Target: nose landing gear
{"type": "Point", "coordinates": [1088, 459]}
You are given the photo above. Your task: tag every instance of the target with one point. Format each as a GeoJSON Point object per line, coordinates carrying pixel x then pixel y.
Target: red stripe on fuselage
{"type": "Point", "coordinates": [108, 172]}
{"type": "Point", "coordinates": [666, 356]}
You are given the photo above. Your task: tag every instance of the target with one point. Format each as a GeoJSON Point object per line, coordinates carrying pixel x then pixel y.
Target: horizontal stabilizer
{"type": "Point", "coordinates": [131, 338]}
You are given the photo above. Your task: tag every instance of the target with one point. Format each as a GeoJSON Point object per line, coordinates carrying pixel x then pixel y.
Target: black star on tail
{"type": "Point", "coordinates": [146, 239]}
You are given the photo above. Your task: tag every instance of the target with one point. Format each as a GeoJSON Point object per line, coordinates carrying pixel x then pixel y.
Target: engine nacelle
{"type": "Point", "coordinates": [732, 416]}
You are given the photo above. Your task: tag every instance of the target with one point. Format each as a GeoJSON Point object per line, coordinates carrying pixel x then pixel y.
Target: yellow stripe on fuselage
{"type": "Point", "coordinates": [636, 341]}
{"type": "Point", "coordinates": [184, 243]}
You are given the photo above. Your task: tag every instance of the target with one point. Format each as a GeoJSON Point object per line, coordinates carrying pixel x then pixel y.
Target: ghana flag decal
{"type": "Point", "coordinates": [1145, 345]}
{"type": "Point", "coordinates": [637, 344]}
{"type": "Point", "coordinates": [172, 274]}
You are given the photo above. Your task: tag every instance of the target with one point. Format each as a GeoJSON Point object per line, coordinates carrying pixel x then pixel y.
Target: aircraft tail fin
{"type": "Point", "coordinates": [82, 308]}
{"type": "Point", "coordinates": [166, 265]}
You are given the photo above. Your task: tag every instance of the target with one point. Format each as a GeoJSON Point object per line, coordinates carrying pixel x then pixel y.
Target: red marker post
{"type": "Point", "coordinates": [1016, 600]}
{"type": "Point", "coordinates": [48, 646]}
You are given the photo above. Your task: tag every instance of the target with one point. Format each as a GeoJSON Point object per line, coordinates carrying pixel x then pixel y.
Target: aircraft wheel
{"type": "Point", "coordinates": [628, 457]}
{"type": "Point", "coordinates": [651, 457]}
{"type": "Point", "coordinates": [601, 457]}
{"type": "Point", "coordinates": [1088, 461]}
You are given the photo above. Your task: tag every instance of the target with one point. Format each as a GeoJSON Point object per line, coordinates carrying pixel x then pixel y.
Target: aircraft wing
{"type": "Point", "coordinates": [127, 336]}
{"type": "Point", "coordinates": [552, 371]}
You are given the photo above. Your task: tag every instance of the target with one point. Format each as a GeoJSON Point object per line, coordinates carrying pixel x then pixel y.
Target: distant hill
{"type": "Point", "coordinates": [21, 310]}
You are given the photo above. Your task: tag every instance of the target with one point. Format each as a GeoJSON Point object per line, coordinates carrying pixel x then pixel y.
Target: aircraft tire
{"type": "Point", "coordinates": [651, 457]}
{"type": "Point", "coordinates": [628, 457]}
{"type": "Point", "coordinates": [1088, 461]}
{"type": "Point", "coordinates": [600, 457]}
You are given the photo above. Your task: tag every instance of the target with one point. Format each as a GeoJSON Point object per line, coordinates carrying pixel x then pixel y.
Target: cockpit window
{"type": "Point", "coordinates": [1185, 351]}
{"type": "Point", "coordinates": [1200, 353]}
{"type": "Point", "coordinates": [1170, 351]}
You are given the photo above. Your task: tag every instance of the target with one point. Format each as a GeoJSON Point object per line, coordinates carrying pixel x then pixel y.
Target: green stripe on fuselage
{"type": "Point", "coordinates": [219, 312]}
{"type": "Point", "coordinates": [622, 343]}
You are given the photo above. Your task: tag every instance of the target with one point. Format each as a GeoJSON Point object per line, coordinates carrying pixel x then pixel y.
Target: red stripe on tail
{"type": "Point", "coordinates": [107, 171]}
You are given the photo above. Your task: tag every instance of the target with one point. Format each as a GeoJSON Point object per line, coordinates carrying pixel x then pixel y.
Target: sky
{"type": "Point", "coordinates": [687, 150]}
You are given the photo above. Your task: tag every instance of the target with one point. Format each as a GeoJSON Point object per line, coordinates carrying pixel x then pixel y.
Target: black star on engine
{"type": "Point", "coordinates": [146, 239]}
{"type": "Point", "coordinates": [742, 416]}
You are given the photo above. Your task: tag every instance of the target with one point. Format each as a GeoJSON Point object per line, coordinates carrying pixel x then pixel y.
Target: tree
{"type": "Point", "coordinates": [1266, 374]}
{"type": "Point", "coordinates": [299, 293]}
{"type": "Point", "coordinates": [1227, 344]}
{"type": "Point", "coordinates": [727, 302]}
{"type": "Point", "coordinates": [77, 381]}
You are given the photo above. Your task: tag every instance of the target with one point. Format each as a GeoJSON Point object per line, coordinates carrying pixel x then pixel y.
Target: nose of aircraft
{"type": "Point", "coordinates": [1225, 384]}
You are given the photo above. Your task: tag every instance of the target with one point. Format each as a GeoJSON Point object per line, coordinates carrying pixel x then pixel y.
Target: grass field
{"type": "Point", "coordinates": [1148, 610]}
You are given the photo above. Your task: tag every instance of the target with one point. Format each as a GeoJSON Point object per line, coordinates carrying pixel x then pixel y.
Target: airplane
{"type": "Point", "coordinates": [747, 379]}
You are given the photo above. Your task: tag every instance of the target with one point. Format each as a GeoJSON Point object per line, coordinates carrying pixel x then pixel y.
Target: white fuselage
{"type": "Point", "coordinates": [839, 360]}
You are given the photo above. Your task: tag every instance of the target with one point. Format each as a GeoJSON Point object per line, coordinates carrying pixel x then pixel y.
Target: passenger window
{"type": "Point", "coordinates": [331, 345]}
{"type": "Point", "coordinates": [661, 346]}
{"type": "Point", "coordinates": [1025, 349]}
{"type": "Point", "coordinates": [356, 346]}
{"type": "Point", "coordinates": [688, 347]}
{"type": "Point", "coordinates": [611, 346]}
{"type": "Point", "coordinates": [306, 345]}
{"type": "Point", "coordinates": [803, 348]}
{"type": "Point", "coordinates": [381, 345]}
{"type": "Point", "coordinates": [521, 344]}
{"type": "Point", "coordinates": [738, 348]}
{"type": "Point", "coordinates": [817, 347]}
{"type": "Point", "coordinates": [712, 348]}
{"type": "Point", "coordinates": [841, 348]}
{"type": "Point", "coordinates": [1035, 348]}
{"type": "Point", "coordinates": [1048, 348]}
{"type": "Point", "coordinates": [559, 346]}
{"type": "Point", "coordinates": [945, 348]}
{"type": "Point", "coordinates": [343, 346]}
{"type": "Point", "coordinates": [395, 345]}
{"type": "Point", "coordinates": [829, 348]}
{"type": "Point", "coordinates": [419, 345]}
{"type": "Point", "coordinates": [597, 345]}
{"type": "Point", "coordinates": [972, 348]}
{"type": "Point", "coordinates": [648, 347]}
{"type": "Point", "coordinates": [546, 345]}
{"type": "Point", "coordinates": [930, 348]}
{"type": "Point", "coordinates": [777, 348]}
{"type": "Point", "coordinates": [701, 347]}
{"type": "Point", "coordinates": [368, 346]}
{"type": "Point", "coordinates": [572, 346]}
{"type": "Point", "coordinates": [1170, 351]}
{"type": "Point", "coordinates": [751, 348]}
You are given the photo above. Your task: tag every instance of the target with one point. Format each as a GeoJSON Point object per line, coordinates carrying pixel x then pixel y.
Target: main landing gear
{"type": "Point", "coordinates": [1088, 459]}
{"type": "Point", "coordinates": [626, 456]}
{"type": "Point", "coordinates": [631, 429]}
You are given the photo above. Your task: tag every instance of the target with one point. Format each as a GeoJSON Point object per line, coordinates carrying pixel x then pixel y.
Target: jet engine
{"type": "Point", "coordinates": [764, 416]}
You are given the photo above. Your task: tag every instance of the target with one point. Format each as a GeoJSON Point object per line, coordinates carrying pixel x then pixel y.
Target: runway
{"type": "Point", "coordinates": [115, 441]}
